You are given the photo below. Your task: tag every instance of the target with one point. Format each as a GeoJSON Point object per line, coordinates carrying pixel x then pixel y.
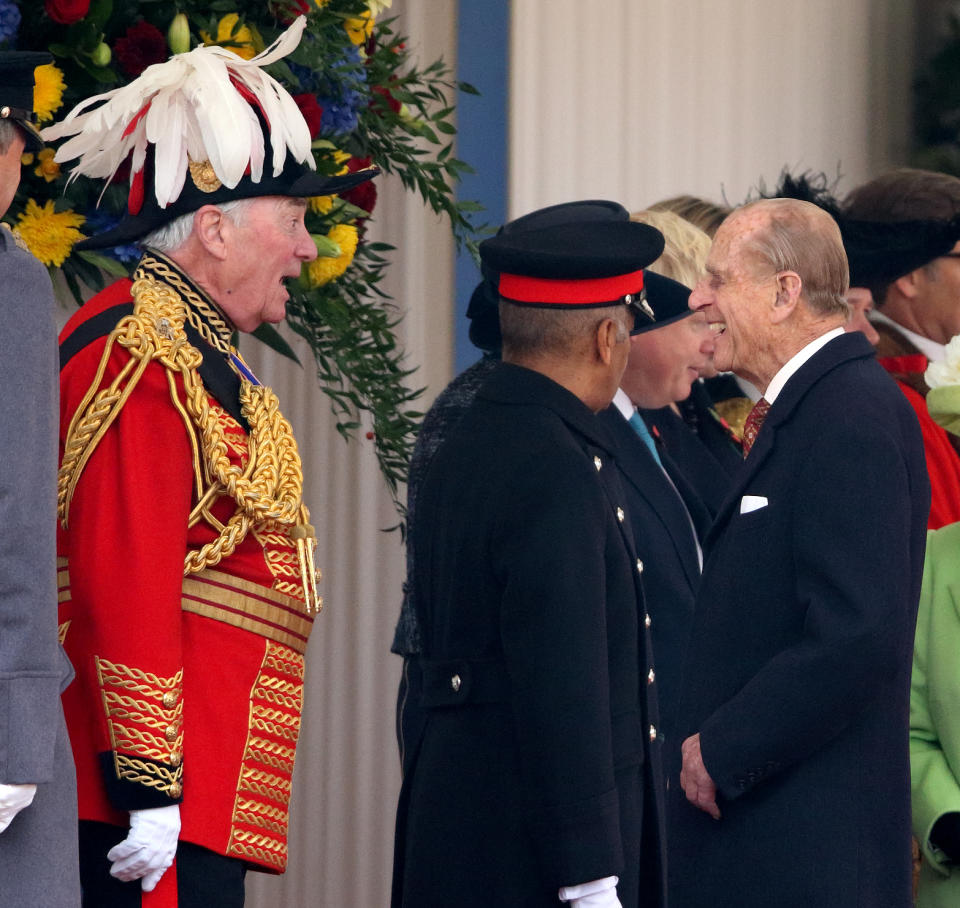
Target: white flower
{"type": "Point", "coordinates": [947, 372]}
{"type": "Point", "coordinates": [378, 6]}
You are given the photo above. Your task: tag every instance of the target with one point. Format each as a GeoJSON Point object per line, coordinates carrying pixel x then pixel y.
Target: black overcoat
{"type": "Point", "coordinates": [538, 766]}
{"type": "Point", "coordinates": [664, 535]}
{"type": "Point", "coordinates": [798, 669]}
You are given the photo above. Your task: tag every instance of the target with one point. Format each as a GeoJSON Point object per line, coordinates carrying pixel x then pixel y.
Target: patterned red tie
{"type": "Point", "coordinates": [753, 422]}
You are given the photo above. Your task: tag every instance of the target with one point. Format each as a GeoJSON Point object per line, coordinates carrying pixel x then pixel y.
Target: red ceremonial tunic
{"type": "Point", "coordinates": [940, 450]}
{"type": "Point", "coordinates": [188, 687]}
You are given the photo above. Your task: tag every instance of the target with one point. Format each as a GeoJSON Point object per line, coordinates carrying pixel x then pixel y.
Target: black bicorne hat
{"type": "Point", "coordinates": [879, 252]}
{"type": "Point", "coordinates": [205, 127]}
{"type": "Point", "coordinates": [143, 213]}
{"type": "Point", "coordinates": [16, 92]}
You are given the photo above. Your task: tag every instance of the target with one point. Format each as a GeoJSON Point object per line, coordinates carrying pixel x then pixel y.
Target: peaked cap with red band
{"type": "Point", "coordinates": [205, 127]}
{"type": "Point", "coordinates": [579, 265]}
{"type": "Point", "coordinates": [482, 310]}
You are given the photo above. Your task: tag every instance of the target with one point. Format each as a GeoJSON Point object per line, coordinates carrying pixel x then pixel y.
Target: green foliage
{"type": "Point", "coordinates": [937, 107]}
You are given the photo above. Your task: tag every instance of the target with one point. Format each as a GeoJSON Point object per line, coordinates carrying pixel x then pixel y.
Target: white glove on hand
{"type": "Point", "coordinates": [13, 798]}
{"type": "Point", "coordinates": [606, 899]}
{"type": "Point", "coordinates": [596, 894]}
{"type": "Point", "coordinates": [149, 848]}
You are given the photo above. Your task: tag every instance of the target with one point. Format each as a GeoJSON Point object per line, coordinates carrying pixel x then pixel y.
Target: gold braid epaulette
{"type": "Point", "coordinates": [269, 491]}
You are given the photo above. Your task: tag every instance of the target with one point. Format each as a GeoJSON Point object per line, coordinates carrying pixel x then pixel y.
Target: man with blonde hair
{"type": "Point", "coordinates": [794, 700]}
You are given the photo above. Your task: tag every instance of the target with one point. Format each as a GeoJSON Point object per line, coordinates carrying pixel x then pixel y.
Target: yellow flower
{"type": "Point", "coordinates": [378, 6]}
{"type": "Point", "coordinates": [242, 41]}
{"type": "Point", "coordinates": [46, 166]}
{"type": "Point", "coordinates": [47, 91]}
{"type": "Point", "coordinates": [360, 28]}
{"type": "Point", "coordinates": [325, 269]}
{"type": "Point", "coordinates": [321, 204]}
{"type": "Point", "coordinates": [49, 234]}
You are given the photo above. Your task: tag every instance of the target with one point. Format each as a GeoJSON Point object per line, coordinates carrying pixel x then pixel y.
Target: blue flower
{"type": "Point", "coordinates": [308, 79]}
{"type": "Point", "coordinates": [9, 20]}
{"type": "Point", "coordinates": [341, 92]}
{"type": "Point", "coordinates": [98, 221]}
{"type": "Point", "coordinates": [340, 117]}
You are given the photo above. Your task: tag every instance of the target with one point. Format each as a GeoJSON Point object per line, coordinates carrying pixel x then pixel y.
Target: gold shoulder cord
{"type": "Point", "coordinates": [268, 491]}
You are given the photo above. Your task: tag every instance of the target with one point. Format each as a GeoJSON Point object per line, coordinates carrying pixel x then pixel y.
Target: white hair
{"type": "Point", "coordinates": [8, 131]}
{"type": "Point", "coordinates": [170, 237]}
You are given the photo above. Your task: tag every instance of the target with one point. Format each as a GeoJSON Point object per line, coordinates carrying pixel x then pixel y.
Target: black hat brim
{"type": "Point", "coordinates": [31, 137]}
{"type": "Point", "coordinates": [133, 228]}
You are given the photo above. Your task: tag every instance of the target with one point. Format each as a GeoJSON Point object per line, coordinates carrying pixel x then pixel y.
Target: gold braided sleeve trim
{"type": "Point", "coordinates": [270, 857]}
{"type": "Point", "coordinates": [253, 818]}
{"type": "Point", "coordinates": [150, 775]}
{"type": "Point", "coordinates": [260, 813]}
{"type": "Point", "coordinates": [144, 715]}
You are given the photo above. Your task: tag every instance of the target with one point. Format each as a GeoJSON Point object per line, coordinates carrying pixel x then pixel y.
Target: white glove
{"type": "Point", "coordinates": [149, 848]}
{"type": "Point", "coordinates": [596, 894]}
{"type": "Point", "coordinates": [13, 798]}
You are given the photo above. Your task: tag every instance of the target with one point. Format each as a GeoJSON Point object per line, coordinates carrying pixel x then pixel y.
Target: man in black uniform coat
{"type": "Point", "coordinates": [536, 777]}
{"type": "Point", "coordinates": [442, 416]}
{"type": "Point", "coordinates": [795, 691]}
{"type": "Point", "coordinates": [666, 514]}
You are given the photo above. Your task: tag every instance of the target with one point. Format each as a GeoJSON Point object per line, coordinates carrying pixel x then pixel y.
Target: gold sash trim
{"type": "Point", "coordinates": [249, 606]}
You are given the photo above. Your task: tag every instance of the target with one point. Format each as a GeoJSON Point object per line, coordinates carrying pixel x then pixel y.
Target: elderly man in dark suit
{"type": "Point", "coordinates": [794, 699]}
{"type": "Point", "coordinates": [536, 777]}
{"type": "Point", "coordinates": [38, 796]}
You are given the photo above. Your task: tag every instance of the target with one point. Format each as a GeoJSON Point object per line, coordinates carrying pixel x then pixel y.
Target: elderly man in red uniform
{"type": "Point", "coordinates": [186, 553]}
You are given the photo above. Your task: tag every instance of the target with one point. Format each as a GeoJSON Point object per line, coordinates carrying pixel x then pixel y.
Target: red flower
{"type": "Point", "coordinates": [66, 12]}
{"type": "Point", "coordinates": [384, 93]}
{"type": "Point", "coordinates": [312, 112]}
{"type": "Point", "coordinates": [142, 46]}
{"type": "Point", "coordinates": [363, 196]}
{"type": "Point", "coordinates": [288, 10]}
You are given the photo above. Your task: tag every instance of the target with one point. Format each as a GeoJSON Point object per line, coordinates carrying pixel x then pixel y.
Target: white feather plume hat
{"type": "Point", "coordinates": [196, 130]}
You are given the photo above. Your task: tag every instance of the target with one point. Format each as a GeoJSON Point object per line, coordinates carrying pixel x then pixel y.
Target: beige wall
{"type": "Point", "coordinates": [641, 99]}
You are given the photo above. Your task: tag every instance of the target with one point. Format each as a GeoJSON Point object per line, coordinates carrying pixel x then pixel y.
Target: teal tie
{"type": "Point", "coordinates": [640, 427]}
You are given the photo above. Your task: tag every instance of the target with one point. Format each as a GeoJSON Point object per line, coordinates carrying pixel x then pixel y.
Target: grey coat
{"type": "Point", "coordinates": [38, 851]}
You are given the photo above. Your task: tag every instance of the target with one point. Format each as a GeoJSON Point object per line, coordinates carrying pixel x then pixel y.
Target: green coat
{"type": "Point", "coordinates": [935, 713]}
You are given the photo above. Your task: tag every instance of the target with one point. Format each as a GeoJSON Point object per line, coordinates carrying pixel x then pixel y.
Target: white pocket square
{"type": "Point", "coordinates": [752, 503]}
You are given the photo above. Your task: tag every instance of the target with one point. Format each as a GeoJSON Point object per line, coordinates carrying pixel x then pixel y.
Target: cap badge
{"type": "Point", "coordinates": [204, 176]}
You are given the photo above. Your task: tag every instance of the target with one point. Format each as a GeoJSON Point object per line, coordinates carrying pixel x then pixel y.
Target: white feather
{"type": "Point", "coordinates": [192, 111]}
